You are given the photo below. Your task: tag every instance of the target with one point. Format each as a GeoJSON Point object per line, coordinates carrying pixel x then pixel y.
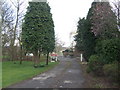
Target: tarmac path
{"type": "Point", "coordinates": [67, 74]}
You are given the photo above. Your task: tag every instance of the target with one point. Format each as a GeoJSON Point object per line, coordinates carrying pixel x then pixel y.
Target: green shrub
{"type": "Point", "coordinates": [95, 65]}
{"type": "Point", "coordinates": [111, 50]}
{"type": "Point", "coordinates": [112, 71]}
{"type": "Point", "coordinates": [108, 49]}
{"type": "Point", "coordinates": [98, 86]}
{"type": "Point", "coordinates": [88, 70]}
{"type": "Point", "coordinates": [98, 48]}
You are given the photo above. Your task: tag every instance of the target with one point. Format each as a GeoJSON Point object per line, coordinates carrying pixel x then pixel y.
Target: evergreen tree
{"type": "Point", "coordinates": [85, 38]}
{"type": "Point", "coordinates": [100, 23]}
{"type": "Point", "coordinates": [49, 40]}
{"type": "Point", "coordinates": [38, 29]}
{"type": "Point", "coordinates": [80, 33]}
{"type": "Point", "coordinates": [104, 21]}
{"type": "Point", "coordinates": [89, 38]}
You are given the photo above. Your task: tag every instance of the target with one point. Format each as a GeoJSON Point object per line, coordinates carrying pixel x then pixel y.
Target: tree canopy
{"type": "Point", "coordinates": [38, 29]}
{"type": "Point", "coordinates": [100, 24]}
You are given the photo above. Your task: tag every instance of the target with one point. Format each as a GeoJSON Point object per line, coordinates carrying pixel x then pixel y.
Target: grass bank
{"type": "Point", "coordinates": [93, 81]}
{"type": "Point", "coordinates": [13, 73]}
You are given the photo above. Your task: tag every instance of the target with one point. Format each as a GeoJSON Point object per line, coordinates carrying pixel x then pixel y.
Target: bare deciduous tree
{"type": "Point", "coordinates": [58, 45]}
{"type": "Point", "coordinates": [19, 14]}
{"type": "Point", "coordinates": [7, 22]}
{"type": "Point", "coordinates": [12, 15]}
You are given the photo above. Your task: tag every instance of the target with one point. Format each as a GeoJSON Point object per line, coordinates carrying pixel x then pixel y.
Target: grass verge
{"type": "Point", "coordinates": [93, 81]}
{"type": "Point", "coordinates": [13, 73]}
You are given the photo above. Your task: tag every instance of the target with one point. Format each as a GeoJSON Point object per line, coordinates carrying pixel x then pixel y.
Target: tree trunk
{"type": "Point", "coordinates": [13, 54]}
{"type": "Point", "coordinates": [39, 57]}
{"type": "Point", "coordinates": [12, 50]}
{"type": "Point", "coordinates": [36, 59]}
{"type": "Point", "coordinates": [47, 58]}
{"type": "Point", "coordinates": [21, 54]}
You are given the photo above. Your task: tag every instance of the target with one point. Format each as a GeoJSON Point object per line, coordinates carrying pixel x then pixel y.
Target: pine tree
{"type": "Point", "coordinates": [89, 38]}
{"type": "Point", "coordinates": [38, 29]}
{"type": "Point", "coordinates": [85, 39]}
{"type": "Point", "coordinates": [80, 33]}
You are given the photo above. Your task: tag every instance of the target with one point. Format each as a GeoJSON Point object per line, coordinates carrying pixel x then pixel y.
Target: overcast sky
{"type": "Point", "coordinates": [66, 14]}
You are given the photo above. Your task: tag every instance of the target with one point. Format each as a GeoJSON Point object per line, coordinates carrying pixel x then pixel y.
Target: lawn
{"type": "Point", "coordinates": [13, 73]}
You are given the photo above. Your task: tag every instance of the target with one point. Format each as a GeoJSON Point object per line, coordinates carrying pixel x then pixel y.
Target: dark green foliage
{"type": "Point", "coordinates": [80, 33]}
{"type": "Point", "coordinates": [109, 50]}
{"type": "Point", "coordinates": [88, 70]}
{"type": "Point", "coordinates": [67, 50]}
{"type": "Point", "coordinates": [38, 29]}
{"type": "Point", "coordinates": [112, 71]}
{"type": "Point", "coordinates": [85, 39]}
{"type": "Point", "coordinates": [32, 30]}
{"type": "Point", "coordinates": [98, 37]}
{"type": "Point", "coordinates": [95, 65]}
{"type": "Point", "coordinates": [89, 44]}
{"type": "Point", "coordinates": [98, 48]}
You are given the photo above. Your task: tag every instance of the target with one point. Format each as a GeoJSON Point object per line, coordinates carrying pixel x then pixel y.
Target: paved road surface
{"type": "Point", "coordinates": [67, 74]}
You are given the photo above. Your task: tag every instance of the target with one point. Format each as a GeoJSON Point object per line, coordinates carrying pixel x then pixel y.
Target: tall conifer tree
{"type": "Point", "coordinates": [38, 29]}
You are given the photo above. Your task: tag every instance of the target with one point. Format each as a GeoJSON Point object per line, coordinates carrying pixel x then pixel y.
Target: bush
{"type": "Point", "coordinates": [98, 48]}
{"type": "Point", "coordinates": [95, 65]}
{"type": "Point", "coordinates": [88, 70]}
{"type": "Point", "coordinates": [112, 71]}
{"type": "Point", "coordinates": [111, 50]}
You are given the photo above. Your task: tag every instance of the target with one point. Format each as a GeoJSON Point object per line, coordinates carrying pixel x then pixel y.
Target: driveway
{"type": "Point", "coordinates": [67, 74]}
